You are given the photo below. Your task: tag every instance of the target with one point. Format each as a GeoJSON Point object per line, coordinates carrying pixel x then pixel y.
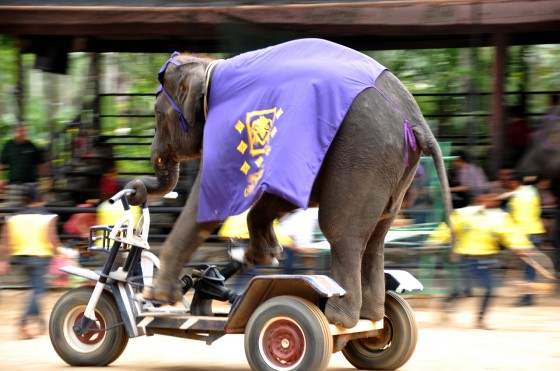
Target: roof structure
{"type": "Point", "coordinates": [52, 29]}
{"type": "Point", "coordinates": [235, 25]}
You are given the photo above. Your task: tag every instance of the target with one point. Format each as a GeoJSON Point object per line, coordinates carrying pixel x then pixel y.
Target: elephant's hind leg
{"type": "Point", "coordinates": [373, 259]}
{"type": "Point", "coordinates": [373, 273]}
{"type": "Point", "coordinates": [345, 257]}
{"type": "Point", "coordinates": [348, 227]}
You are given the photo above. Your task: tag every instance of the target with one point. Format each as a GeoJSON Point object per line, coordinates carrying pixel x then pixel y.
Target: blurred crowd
{"type": "Point", "coordinates": [507, 209]}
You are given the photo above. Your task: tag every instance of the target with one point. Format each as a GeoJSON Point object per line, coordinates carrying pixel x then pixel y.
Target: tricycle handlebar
{"type": "Point", "coordinates": [120, 194]}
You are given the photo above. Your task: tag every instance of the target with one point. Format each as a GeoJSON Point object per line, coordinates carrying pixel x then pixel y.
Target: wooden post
{"type": "Point", "coordinates": [497, 102]}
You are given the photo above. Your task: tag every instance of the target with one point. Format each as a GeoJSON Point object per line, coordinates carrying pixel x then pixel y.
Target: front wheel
{"type": "Point", "coordinates": [98, 347]}
{"type": "Point", "coordinates": [395, 343]}
{"type": "Point", "coordinates": [288, 333]}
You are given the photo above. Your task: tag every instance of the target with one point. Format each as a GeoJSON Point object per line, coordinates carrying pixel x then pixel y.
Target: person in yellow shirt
{"type": "Point", "coordinates": [480, 231]}
{"type": "Point", "coordinates": [524, 206]}
{"type": "Point", "coordinates": [31, 239]}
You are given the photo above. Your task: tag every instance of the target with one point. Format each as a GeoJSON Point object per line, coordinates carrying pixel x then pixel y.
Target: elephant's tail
{"type": "Point", "coordinates": [430, 147]}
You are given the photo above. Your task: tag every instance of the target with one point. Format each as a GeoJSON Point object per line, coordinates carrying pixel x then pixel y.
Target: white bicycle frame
{"type": "Point", "coordinates": [148, 260]}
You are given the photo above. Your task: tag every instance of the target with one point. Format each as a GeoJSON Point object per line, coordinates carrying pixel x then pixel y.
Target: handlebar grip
{"type": "Point", "coordinates": [120, 195]}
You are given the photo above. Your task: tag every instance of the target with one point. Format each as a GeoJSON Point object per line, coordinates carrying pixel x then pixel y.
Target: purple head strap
{"type": "Point", "coordinates": [161, 74]}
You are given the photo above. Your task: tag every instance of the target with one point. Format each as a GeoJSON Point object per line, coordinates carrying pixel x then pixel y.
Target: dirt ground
{"type": "Point", "coordinates": [523, 338]}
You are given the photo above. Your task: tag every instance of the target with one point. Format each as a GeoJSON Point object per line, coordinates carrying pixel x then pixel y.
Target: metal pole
{"type": "Point", "coordinates": [497, 108]}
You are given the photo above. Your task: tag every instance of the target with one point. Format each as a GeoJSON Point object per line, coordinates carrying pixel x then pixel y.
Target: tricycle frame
{"type": "Point", "coordinates": [198, 321]}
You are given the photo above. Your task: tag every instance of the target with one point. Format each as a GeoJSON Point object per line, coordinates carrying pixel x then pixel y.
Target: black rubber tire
{"type": "Point", "coordinates": [93, 348]}
{"type": "Point", "coordinates": [288, 333]}
{"type": "Point", "coordinates": [395, 344]}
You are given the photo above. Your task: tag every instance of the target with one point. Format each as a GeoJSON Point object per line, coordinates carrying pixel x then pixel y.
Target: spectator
{"type": "Point", "coordinates": [302, 228]}
{"type": "Point", "coordinates": [25, 162]}
{"type": "Point", "coordinates": [524, 205]}
{"type": "Point", "coordinates": [548, 206]}
{"type": "Point", "coordinates": [106, 214]}
{"type": "Point", "coordinates": [480, 231]}
{"type": "Point", "coordinates": [30, 238]}
{"type": "Point", "coordinates": [109, 184]}
{"type": "Point", "coordinates": [470, 180]}
{"type": "Point", "coordinates": [234, 230]}
{"type": "Point", "coordinates": [501, 185]}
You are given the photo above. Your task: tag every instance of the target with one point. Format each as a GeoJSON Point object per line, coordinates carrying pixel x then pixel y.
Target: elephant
{"type": "Point", "coordinates": [358, 179]}
{"type": "Point", "coordinates": [542, 158]}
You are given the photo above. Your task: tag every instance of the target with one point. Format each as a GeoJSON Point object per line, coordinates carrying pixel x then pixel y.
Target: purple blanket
{"type": "Point", "coordinates": [272, 115]}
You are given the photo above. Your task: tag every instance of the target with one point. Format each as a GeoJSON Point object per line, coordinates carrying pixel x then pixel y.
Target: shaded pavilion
{"type": "Point", "coordinates": [52, 29]}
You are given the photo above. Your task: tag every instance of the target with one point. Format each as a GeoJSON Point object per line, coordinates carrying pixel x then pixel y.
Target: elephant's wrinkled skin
{"type": "Point", "coordinates": [359, 188]}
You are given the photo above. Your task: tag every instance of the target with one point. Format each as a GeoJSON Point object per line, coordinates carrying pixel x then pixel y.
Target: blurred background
{"type": "Point", "coordinates": [82, 78]}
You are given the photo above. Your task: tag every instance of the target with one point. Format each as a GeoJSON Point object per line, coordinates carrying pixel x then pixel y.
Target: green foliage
{"type": "Point", "coordinates": [8, 84]}
{"type": "Point", "coordinates": [438, 71]}
{"type": "Point", "coordinates": [437, 77]}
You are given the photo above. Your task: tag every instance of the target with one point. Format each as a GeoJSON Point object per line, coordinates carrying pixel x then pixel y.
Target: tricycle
{"type": "Point", "coordinates": [281, 316]}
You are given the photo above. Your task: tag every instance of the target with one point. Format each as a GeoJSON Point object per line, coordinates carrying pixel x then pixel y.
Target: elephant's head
{"type": "Point", "coordinates": [179, 111]}
{"type": "Point", "coordinates": [543, 157]}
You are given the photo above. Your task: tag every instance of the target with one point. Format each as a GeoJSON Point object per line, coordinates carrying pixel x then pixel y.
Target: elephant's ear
{"type": "Point", "coordinates": [191, 89]}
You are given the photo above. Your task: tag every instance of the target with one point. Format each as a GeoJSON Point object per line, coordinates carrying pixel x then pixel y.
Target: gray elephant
{"type": "Point", "coordinates": [543, 156]}
{"type": "Point", "coordinates": [542, 159]}
{"type": "Point", "coordinates": [307, 122]}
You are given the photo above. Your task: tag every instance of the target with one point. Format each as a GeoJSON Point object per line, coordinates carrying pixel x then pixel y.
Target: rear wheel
{"type": "Point", "coordinates": [288, 333]}
{"type": "Point", "coordinates": [97, 347]}
{"type": "Point", "coordinates": [395, 343]}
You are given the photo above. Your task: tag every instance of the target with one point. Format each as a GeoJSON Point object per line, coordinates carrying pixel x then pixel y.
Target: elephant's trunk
{"type": "Point", "coordinates": [167, 175]}
{"type": "Point", "coordinates": [162, 184]}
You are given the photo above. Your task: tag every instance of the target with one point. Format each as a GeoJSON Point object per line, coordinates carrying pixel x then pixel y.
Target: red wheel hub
{"type": "Point", "coordinates": [283, 343]}
{"type": "Point", "coordinates": [92, 336]}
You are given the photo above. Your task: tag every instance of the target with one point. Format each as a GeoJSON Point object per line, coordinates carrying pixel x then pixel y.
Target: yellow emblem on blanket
{"type": "Point", "coordinates": [260, 125]}
{"type": "Point", "coordinates": [261, 128]}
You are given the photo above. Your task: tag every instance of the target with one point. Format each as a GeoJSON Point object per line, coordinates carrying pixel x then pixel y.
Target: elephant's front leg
{"type": "Point", "coordinates": [185, 237]}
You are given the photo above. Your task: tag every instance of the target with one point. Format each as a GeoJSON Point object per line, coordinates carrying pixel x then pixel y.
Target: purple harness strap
{"type": "Point", "coordinates": [409, 139]}
{"type": "Point", "coordinates": [161, 73]}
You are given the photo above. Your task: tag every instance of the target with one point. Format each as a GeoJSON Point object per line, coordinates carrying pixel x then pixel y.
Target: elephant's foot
{"type": "Point", "coordinates": [342, 312]}
{"type": "Point", "coordinates": [165, 291]}
{"type": "Point", "coordinates": [373, 312]}
{"type": "Point", "coordinates": [267, 256]}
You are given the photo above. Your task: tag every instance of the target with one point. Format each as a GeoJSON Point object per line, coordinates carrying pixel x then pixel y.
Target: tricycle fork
{"type": "Point", "coordinates": [88, 318]}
